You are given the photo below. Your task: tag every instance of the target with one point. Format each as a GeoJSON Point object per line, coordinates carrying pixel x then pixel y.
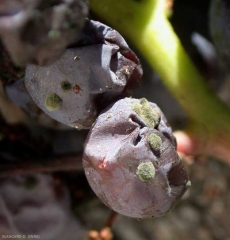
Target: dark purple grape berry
{"type": "Point", "coordinates": [220, 29]}
{"type": "Point", "coordinates": [130, 160]}
{"type": "Point", "coordinates": [75, 88]}
{"type": "Point", "coordinates": [38, 31]}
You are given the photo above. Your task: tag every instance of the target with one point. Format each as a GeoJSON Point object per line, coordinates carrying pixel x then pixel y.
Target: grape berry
{"type": "Point", "coordinates": [88, 76]}
{"type": "Point", "coordinates": [130, 160]}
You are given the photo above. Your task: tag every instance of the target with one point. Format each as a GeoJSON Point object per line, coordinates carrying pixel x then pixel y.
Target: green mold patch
{"type": "Point", "coordinates": [150, 116]}
{"type": "Point", "coordinates": [65, 86]}
{"type": "Point", "coordinates": [53, 102]}
{"type": "Point", "coordinates": [145, 171]}
{"type": "Point", "coordinates": [154, 141]}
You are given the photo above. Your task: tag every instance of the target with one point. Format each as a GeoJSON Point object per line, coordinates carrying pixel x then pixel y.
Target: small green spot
{"type": "Point", "coordinates": [150, 116]}
{"type": "Point", "coordinates": [145, 171]}
{"type": "Point", "coordinates": [53, 102]}
{"type": "Point", "coordinates": [66, 86]}
{"type": "Point", "coordinates": [188, 184]}
{"type": "Point", "coordinates": [30, 183]}
{"type": "Point", "coordinates": [154, 141]}
{"type": "Point", "coordinates": [136, 108]}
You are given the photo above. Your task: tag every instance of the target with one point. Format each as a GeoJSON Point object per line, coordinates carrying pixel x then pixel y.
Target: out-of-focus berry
{"type": "Point", "coordinates": [38, 31]}
{"type": "Point", "coordinates": [130, 160]}
{"type": "Point", "coordinates": [37, 205]}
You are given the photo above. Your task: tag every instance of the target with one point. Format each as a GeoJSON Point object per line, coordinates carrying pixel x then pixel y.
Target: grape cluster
{"type": "Point", "coordinates": [130, 157]}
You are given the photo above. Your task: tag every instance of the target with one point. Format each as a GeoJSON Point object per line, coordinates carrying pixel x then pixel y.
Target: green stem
{"type": "Point", "coordinates": [144, 23]}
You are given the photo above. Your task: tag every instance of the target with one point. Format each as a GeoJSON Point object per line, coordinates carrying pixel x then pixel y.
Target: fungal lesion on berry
{"type": "Point", "coordinates": [154, 141]}
{"type": "Point", "coordinates": [150, 116]}
{"type": "Point", "coordinates": [53, 102]}
{"type": "Point", "coordinates": [145, 171]}
{"type": "Point", "coordinates": [66, 86]}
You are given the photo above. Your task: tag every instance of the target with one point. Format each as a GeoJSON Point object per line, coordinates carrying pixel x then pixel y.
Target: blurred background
{"type": "Point", "coordinates": [38, 201]}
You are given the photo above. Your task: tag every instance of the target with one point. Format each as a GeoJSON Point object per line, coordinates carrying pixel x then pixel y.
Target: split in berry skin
{"type": "Point", "coordinates": [132, 164]}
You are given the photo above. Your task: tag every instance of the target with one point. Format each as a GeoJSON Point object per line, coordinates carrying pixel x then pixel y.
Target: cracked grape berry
{"type": "Point", "coordinates": [130, 160]}
{"type": "Point", "coordinates": [97, 70]}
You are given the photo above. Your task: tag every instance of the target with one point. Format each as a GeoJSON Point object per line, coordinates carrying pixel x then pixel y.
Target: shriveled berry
{"type": "Point", "coordinates": [89, 84]}
{"type": "Point", "coordinates": [131, 161]}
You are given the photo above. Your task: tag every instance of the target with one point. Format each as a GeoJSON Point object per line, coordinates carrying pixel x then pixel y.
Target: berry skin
{"type": "Point", "coordinates": [132, 164]}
